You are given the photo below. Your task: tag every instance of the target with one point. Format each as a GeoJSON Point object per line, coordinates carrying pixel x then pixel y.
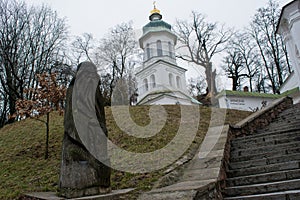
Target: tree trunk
{"type": "Point", "coordinates": [211, 83]}
{"type": "Point", "coordinates": [47, 137]}
{"type": "Point", "coordinates": [250, 84]}
{"type": "Point", "coordinates": [234, 83]}
{"type": "Point", "coordinates": [211, 79]}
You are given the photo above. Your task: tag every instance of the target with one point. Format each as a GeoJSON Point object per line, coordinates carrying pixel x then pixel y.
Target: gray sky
{"type": "Point", "coordinates": [98, 16]}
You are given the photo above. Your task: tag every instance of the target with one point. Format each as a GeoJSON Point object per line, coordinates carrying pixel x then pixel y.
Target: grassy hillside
{"type": "Point", "coordinates": [23, 168]}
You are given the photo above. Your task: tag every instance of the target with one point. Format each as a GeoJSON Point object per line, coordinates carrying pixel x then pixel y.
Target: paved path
{"type": "Point", "coordinates": [202, 170]}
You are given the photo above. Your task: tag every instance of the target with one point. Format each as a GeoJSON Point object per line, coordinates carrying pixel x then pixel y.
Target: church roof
{"type": "Point", "coordinates": [154, 96]}
{"type": "Point", "coordinates": [157, 24]}
{"type": "Point", "coordinates": [164, 61]}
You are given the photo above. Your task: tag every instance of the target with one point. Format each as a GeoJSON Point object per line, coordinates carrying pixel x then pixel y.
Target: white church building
{"type": "Point", "coordinates": [160, 80]}
{"type": "Point", "coordinates": [289, 28]}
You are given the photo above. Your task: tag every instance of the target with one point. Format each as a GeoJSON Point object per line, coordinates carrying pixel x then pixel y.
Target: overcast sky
{"type": "Point", "coordinates": [98, 16]}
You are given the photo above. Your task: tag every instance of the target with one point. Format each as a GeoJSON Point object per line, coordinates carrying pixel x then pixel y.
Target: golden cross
{"type": "Point", "coordinates": [154, 4]}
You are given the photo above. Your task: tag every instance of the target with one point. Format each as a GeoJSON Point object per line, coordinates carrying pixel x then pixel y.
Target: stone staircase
{"type": "Point", "coordinates": [266, 164]}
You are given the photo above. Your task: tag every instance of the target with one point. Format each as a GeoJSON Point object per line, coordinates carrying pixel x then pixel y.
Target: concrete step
{"type": "Point", "coordinates": [263, 188]}
{"type": "Point", "coordinates": [288, 114]}
{"type": "Point", "coordinates": [264, 169]}
{"type": "Point", "coordinates": [282, 126]}
{"type": "Point", "coordinates": [276, 152]}
{"type": "Point", "coordinates": [290, 118]}
{"type": "Point", "coordinates": [295, 110]}
{"type": "Point", "coordinates": [266, 164]}
{"type": "Point", "coordinates": [264, 161]}
{"type": "Point", "coordinates": [266, 140]}
{"type": "Point", "coordinates": [284, 195]}
{"type": "Point", "coordinates": [258, 136]}
{"type": "Point", "coordinates": [264, 149]}
{"type": "Point", "coordinates": [263, 178]}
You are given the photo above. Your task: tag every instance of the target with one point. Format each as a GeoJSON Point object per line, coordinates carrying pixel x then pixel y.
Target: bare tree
{"type": "Point", "coordinates": [269, 44]}
{"type": "Point", "coordinates": [241, 61]}
{"type": "Point", "coordinates": [234, 68]}
{"type": "Point", "coordinates": [262, 82]}
{"type": "Point", "coordinates": [82, 48]}
{"type": "Point", "coordinates": [115, 56]}
{"type": "Point", "coordinates": [31, 40]}
{"type": "Point", "coordinates": [201, 41]}
{"type": "Point", "coordinates": [197, 86]}
{"type": "Point", "coordinates": [116, 52]}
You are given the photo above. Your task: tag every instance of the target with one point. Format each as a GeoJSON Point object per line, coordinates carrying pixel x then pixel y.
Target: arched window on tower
{"type": "Point", "coordinates": [146, 86]}
{"type": "Point", "coordinates": [148, 53]}
{"type": "Point", "coordinates": [171, 79]}
{"type": "Point", "coordinates": [178, 82]}
{"type": "Point", "coordinates": [170, 49]}
{"type": "Point", "coordinates": [159, 48]}
{"type": "Point", "coordinates": [152, 81]}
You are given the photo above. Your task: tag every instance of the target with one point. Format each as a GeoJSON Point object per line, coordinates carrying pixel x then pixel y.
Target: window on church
{"type": "Point", "coordinates": [159, 48]}
{"type": "Point", "coordinates": [146, 87]}
{"type": "Point", "coordinates": [148, 51]}
{"type": "Point", "coordinates": [171, 80]}
{"type": "Point", "coordinates": [178, 81]}
{"type": "Point", "coordinates": [170, 49]}
{"type": "Point", "coordinates": [297, 52]}
{"type": "Point", "coordinates": [152, 80]}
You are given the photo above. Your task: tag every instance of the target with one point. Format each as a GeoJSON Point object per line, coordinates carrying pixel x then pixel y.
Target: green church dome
{"type": "Point", "coordinates": [156, 25]}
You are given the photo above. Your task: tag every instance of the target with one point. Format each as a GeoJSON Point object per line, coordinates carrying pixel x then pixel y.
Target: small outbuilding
{"type": "Point", "coordinates": [249, 101]}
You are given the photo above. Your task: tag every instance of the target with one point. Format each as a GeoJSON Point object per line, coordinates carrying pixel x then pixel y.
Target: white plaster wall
{"type": "Point", "coordinates": [290, 30]}
{"type": "Point", "coordinates": [152, 37]}
{"type": "Point", "coordinates": [161, 72]}
{"type": "Point", "coordinates": [222, 102]}
{"type": "Point", "coordinates": [296, 99]}
{"type": "Point", "coordinates": [290, 83]}
{"type": "Point", "coordinates": [242, 103]}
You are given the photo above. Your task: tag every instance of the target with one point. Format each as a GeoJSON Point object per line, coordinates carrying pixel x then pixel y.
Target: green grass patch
{"type": "Point", "coordinates": [23, 168]}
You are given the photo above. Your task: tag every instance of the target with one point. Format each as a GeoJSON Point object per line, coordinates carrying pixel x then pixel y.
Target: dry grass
{"type": "Point", "coordinates": [23, 168]}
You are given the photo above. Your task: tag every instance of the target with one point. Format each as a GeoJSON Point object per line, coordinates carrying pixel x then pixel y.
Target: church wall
{"type": "Point", "coordinates": [290, 83]}
{"type": "Point", "coordinates": [294, 31]}
{"type": "Point", "coordinates": [161, 74]}
{"type": "Point", "coordinates": [289, 29]}
{"type": "Point", "coordinates": [152, 37]}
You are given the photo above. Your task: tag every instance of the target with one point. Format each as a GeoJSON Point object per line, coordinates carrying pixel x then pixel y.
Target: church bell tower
{"type": "Point", "coordinates": [160, 80]}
